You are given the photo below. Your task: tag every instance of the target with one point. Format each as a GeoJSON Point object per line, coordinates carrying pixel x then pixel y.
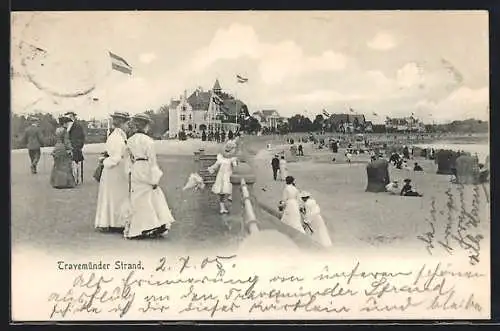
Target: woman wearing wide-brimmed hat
{"type": "Point", "coordinates": [313, 218]}
{"type": "Point", "coordinates": [149, 214]}
{"type": "Point", "coordinates": [224, 165]}
{"type": "Point", "coordinates": [113, 184]}
{"type": "Point", "coordinates": [62, 172]}
{"type": "Point", "coordinates": [290, 199]}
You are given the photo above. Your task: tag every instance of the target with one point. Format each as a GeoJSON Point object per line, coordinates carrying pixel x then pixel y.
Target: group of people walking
{"type": "Point", "coordinates": [67, 170]}
{"type": "Point", "coordinates": [302, 212]}
{"type": "Point", "coordinates": [130, 199]}
{"type": "Point", "coordinates": [279, 165]}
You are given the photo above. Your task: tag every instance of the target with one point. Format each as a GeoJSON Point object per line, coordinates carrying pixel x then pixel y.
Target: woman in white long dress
{"type": "Point", "coordinates": [283, 168]}
{"type": "Point", "coordinates": [149, 215]}
{"type": "Point", "coordinates": [315, 220]}
{"type": "Point", "coordinates": [224, 164]}
{"type": "Point", "coordinates": [113, 185]}
{"type": "Point", "coordinates": [291, 213]}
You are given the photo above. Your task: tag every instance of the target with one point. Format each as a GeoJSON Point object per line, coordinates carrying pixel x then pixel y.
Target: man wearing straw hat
{"type": "Point", "coordinates": [76, 136]}
{"type": "Point", "coordinates": [34, 141]}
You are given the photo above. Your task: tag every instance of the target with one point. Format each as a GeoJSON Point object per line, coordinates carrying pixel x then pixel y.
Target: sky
{"type": "Point", "coordinates": [430, 63]}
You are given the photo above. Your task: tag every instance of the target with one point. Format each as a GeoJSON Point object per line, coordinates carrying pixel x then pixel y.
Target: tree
{"type": "Point", "coordinates": [47, 123]}
{"type": "Point", "coordinates": [318, 123]}
{"type": "Point", "coordinates": [299, 123]}
{"type": "Point", "coordinates": [250, 125]}
{"type": "Point", "coordinates": [283, 128]}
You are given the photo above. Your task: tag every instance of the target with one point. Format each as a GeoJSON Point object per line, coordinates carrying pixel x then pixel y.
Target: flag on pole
{"type": "Point", "coordinates": [216, 99]}
{"type": "Point", "coordinates": [375, 114]}
{"type": "Point", "coordinates": [119, 64]}
{"type": "Point", "coordinates": [241, 79]}
{"type": "Point", "coordinates": [351, 110]}
{"type": "Point", "coordinates": [326, 113]}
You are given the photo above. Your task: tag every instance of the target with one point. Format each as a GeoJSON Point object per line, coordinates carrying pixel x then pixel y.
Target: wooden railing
{"type": "Point", "coordinates": [249, 218]}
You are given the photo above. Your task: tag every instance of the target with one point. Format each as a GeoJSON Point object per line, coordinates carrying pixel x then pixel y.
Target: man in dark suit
{"type": "Point", "coordinates": [76, 136]}
{"type": "Point", "coordinates": [34, 141]}
{"type": "Point", "coordinates": [275, 164]}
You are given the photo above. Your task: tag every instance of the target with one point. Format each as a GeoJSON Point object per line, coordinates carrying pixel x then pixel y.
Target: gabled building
{"type": "Point", "coordinates": [205, 110]}
{"type": "Point", "coordinates": [347, 122]}
{"type": "Point", "coordinates": [268, 118]}
{"type": "Point", "coordinates": [404, 124]}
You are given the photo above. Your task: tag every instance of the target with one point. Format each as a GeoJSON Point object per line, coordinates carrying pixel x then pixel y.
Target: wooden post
{"type": "Point", "coordinates": [243, 179]}
{"type": "Point", "coordinates": [196, 156]}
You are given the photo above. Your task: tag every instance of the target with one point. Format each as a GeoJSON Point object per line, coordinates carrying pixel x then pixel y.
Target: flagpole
{"type": "Point", "coordinates": [106, 92]}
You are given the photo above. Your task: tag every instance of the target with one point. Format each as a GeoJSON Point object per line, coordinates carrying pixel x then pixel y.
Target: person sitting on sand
{"type": "Point", "coordinates": [407, 190]}
{"type": "Point", "coordinates": [393, 187]}
{"type": "Point", "coordinates": [394, 158]}
{"type": "Point", "coordinates": [483, 173]}
{"type": "Point", "coordinates": [417, 167]}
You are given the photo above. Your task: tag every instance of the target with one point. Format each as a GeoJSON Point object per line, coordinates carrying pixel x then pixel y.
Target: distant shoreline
{"type": "Point", "coordinates": [444, 139]}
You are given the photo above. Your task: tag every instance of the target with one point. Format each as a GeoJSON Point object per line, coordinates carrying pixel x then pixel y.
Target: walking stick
{"type": "Point", "coordinates": [81, 171]}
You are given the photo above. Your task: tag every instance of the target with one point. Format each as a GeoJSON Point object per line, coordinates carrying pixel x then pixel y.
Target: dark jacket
{"type": "Point", "coordinates": [77, 136]}
{"type": "Point", "coordinates": [33, 138]}
{"type": "Point", "coordinates": [275, 163]}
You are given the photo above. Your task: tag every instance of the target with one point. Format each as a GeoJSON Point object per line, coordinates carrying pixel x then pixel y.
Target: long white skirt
{"type": "Point", "coordinates": [291, 215]}
{"type": "Point", "coordinates": [149, 210]}
{"type": "Point", "coordinates": [283, 173]}
{"type": "Point", "coordinates": [320, 231]}
{"type": "Point", "coordinates": [113, 191]}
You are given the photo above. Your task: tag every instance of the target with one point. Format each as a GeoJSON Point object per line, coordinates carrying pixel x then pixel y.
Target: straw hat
{"type": "Point", "coordinates": [121, 114]}
{"type": "Point", "coordinates": [64, 119]}
{"type": "Point", "coordinates": [305, 194]}
{"type": "Point", "coordinates": [231, 145]}
{"type": "Point", "coordinates": [142, 117]}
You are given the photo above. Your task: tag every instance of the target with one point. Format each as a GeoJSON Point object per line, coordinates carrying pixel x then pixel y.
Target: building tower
{"type": "Point", "coordinates": [217, 89]}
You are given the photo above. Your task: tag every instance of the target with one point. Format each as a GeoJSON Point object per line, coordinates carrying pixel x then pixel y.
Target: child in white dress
{"type": "Point", "coordinates": [224, 164]}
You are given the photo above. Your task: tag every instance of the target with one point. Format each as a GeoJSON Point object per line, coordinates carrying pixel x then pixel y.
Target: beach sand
{"type": "Point", "coordinates": [362, 221]}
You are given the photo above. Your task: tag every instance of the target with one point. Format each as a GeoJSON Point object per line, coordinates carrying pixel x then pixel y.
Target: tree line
{"type": "Point", "coordinates": [160, 120]}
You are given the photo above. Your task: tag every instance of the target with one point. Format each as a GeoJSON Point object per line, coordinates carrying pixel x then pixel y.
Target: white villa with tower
{"type": "Point", "coordinates": [210, 110]}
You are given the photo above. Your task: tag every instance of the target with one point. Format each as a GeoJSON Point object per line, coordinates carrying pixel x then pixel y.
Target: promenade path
{"type": "Point", "coordinates": [62, 221]}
